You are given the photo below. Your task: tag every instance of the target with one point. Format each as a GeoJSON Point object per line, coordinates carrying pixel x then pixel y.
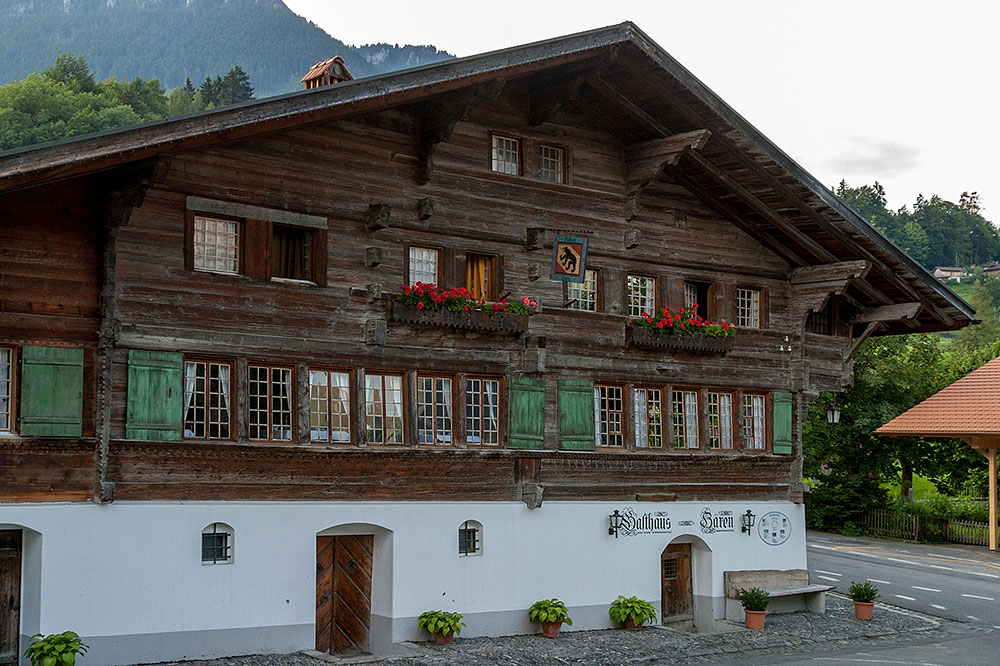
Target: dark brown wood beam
{"type": "Point", "coordinates": [895, 312]}
{"type": "Point", "coordinates": [644, 163]}
{"type": "Point", "coordinates": [611, 94]}
{"type": "Point", "coordinates": [867, 333]}
{"type": "Point", "coordinates": [545, 101]}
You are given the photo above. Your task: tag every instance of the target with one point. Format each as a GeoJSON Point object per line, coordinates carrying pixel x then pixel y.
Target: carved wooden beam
{"type": "Point", "coordinates": [644, 162]}
{"type": "Point", "coordinates": [895, 312]}
{"type": "Point", "coordinates": [842, 271]}
{"type": "Point", "coordinates": [611, 94]}
{"type": "Point", "coordinates": [439, 116]}
{"type": "Point", "coordinates": [871, 328]}
{"type": "Point", "coordinates": [545, 101]}
{"type": "Point", "coordinates": [813, 285]}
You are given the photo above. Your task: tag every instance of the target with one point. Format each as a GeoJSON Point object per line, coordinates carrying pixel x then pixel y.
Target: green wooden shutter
{"type": "Point", "coordinates": [526, 425]}
{"type": "Point", "coordinates": [782, 440]}
{"type": "Point", "coordinates": [155, 396]}
{"type": "Point", "coordinates": [576, 415]}
{"type": "Point", "coordinates": [51, 391]}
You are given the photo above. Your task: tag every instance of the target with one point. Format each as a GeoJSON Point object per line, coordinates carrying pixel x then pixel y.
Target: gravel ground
{"type": "Point", "coordinates": [789, 633]}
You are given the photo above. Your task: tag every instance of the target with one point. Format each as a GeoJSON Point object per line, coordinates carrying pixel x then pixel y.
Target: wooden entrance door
{"type": "Point", "coordinates": [343, 592]}
{"type": "Point", "coordinates": [675, 580]}
{"type": "Point", "coordinates": [10, 595]}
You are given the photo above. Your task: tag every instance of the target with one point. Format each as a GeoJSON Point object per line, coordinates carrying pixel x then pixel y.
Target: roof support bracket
{"type": "Point", "coordinates": [905, 312]}
{"type": "Point", "coordinates": [644, 162]}
{"type": "Point", "coordinates": [860, 340]}
{"type": "Point", "coordinates": [813, 285]}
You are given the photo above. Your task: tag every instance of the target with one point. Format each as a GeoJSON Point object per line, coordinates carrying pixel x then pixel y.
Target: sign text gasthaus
{"type": "Point", "coordinates": [722, 521]}
{"type": "Point", "coordinates": [651, 522]}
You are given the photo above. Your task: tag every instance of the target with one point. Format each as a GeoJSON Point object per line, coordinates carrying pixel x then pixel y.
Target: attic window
{"type": "Point", "coordinates": [820, 322]}
{"type": "Point", "coordinates": [290, 248]}
{"type": "Point", "coordinates": [216, 245]}
{"type": "Point", "coordinates": [506, 154]}
{"type": "Point", "coordinates": [550, 162]}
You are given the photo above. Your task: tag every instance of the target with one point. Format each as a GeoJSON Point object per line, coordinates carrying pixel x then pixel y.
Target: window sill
{"type": "Point", "coordinates": [308, 283]}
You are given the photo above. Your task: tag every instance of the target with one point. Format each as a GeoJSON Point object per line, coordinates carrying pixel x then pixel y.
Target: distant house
{"type": "Point", "coordinates": [945, 273]}
{"type": "Point", "coordinates": [992, 269]}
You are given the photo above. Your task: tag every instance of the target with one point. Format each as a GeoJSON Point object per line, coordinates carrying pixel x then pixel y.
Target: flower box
{"type": "Point", "coordinates": [695, 343]}
{"type": "Point", "coordinates": [484, 321]}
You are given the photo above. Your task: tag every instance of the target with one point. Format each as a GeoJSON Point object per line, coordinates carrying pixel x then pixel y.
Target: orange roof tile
{"type": "Point", "coordinates": [970, 406]}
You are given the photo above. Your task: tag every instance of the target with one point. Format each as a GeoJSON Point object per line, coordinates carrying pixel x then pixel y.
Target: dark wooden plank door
{"type": "Point", "coordinates": [10, 594]}
{"type": "Point", "coordinates": [343, 592]}
{"type": "Point", "coordinates": [677, 599]}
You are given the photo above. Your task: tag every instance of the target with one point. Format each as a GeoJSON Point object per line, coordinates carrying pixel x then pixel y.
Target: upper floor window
{"type": "Point", "coordinates": [384, 409]}
{"type": "Point", "coordinates": [216, 245]}
{"type": "Point", "coordinates": [480, 276]}
{"type": "Point", "coordinates": [6, 389]}
{"type": "Point", "coordinates": [506, 155]}
{"type": "Point", "coordinates": [748, 308]}
{"type": "Point", "coordinates": [433, 410]}
{"type": "Point", "coordinates": [608, 415]}
{"type": "Point", "coordinates": [753, 428]}
{"type": "Point", "coordinates": [685, 419]}
{"type": "Point", "coordinates": [423, 265]}
{"type": "Point", "coordinates": [482, 411]}
{"type": "Point", "coordinates": [720, 420]}
{"type": "Point", "coordinates": [697, 294]}
{"type": "Point", "coordinates": [648, 406]}
{"type": "Point", "coordinates": [290, 252]}
{"type": "Point", "coordinates": [551, 161]}
{"type": "Point", "coordinates": [583, 295]}
{"type": "Point", "coordinates": [269, 397]}
{"type": "Point", "coordinates": [217, 544]}
{"type": "Point", "coordinates": [641, 295]}
{"type": "Point", "coordinates": [821, 321]}
{"type": "Point", "coordinates": [207, 412]}
{"type": "Point", "coordinates": [329, 406]}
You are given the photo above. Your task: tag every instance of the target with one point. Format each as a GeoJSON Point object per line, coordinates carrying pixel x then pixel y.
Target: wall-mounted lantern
{"type": "Point", "coordinates": [748, 519]}
{"type": "Point", "coordinates": [833, 413]}
{"type": "Point", "coordinates": [615, 523]}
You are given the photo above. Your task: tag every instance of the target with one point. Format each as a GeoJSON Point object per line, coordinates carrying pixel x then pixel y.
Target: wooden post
{"type": "Point", "coordinates": [992, 456]}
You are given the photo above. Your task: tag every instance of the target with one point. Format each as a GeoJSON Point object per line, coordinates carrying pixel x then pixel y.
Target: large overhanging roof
{"type": "Point", "coordinates": [618, 79]}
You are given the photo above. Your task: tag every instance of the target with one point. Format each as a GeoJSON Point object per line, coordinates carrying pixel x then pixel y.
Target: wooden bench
{"type": "Point", "coordinates": [789, 589]}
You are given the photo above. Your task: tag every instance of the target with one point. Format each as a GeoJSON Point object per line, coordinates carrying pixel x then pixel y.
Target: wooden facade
{"type": "Point", "coordinates": [659, 175]}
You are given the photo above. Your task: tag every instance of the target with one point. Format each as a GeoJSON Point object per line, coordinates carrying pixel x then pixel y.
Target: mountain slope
{"type": "Point", "coordinates": [175, 39]}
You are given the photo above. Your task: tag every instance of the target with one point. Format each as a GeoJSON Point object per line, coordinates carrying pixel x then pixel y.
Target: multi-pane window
{"type": "Point", "coordinates": [482, 411]}
{"type": "Point", "coordinates": [648, 408]}
{"type": "Point", "coordinates": [217, 544]}
{"type": "Point", "coordinates": [269, 399]}
{"type": "Point", "coordinates": [423, 265]}
{"type": "Point", "coordinates": [820, 321]}
{"type": "Point", "coordinates": [583, 295]}
{"type": "Point", "coordinates": [384, 409]}
{"type": "Point", "coordinates": [6, 384]}
{"type": "Point", "coordinates": [329, 406]}
{"type": "Point", "coordinates": [216, 245]}
{"type": "Point", "coordinates": [550, 164]}
{"type": "Point", "coordinates": [748, 308]}
{"type": "Point", "coordinates": [641, 295]}
{"type": "Point", "coordinates": [685, 419]}
{"type": "Point", "coordinates": [206, 400]}
{"type": "Point", "coordinates": [480, 275]}
{"type": "Point", "coordinates": [470, 540]}
{"type": "Point", "coordinates": [720, 420]}
{"type": "Point", "coordinates": [433, 410]}
{"type": "Point", "coordinates": [752, 425]}
{"type": "Point", "coordinates": [290, 250]}
{"type": "Point", "coordinates": [608, 415]}
{"type": "Point", "coordinates": [505, 155]}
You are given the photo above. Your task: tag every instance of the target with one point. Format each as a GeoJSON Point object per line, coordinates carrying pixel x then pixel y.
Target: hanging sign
{"type": "Point", "coordinates": [774, 528]}
{"type": "Point", "coordinates": [569, 259]}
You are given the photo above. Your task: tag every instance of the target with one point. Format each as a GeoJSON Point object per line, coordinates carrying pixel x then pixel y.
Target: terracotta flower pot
{"type": "Point", "coordinates": [551, 629]}
{"type": "Point", "coordinates": [755, 619]}
{"type": "Point", "coordinates": [632, 626]}
{"type": "Point", "coordinates": [443, 639]}
{"type": "Point", "coordinates": [864, 610]}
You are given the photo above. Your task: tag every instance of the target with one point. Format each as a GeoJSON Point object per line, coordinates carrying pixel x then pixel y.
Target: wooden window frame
{"type": "Point", "coordinates": [655, 293]}
{"type": "Point", "coordinates": [564, 163]}
{"type": "Point", "coordinates": [420, 246]}
{"type": "Point", "coordinates": [765, 411]}
{"type": "Point", "coordinates": [519, 165]}
{"type": "Point", "coordinates": [232, 407]}
{"type": "Point", "coordinates": [761, 306]}
{"type": "Point", "coordinates": [493, 286]}
{"type": "Point", "coordinates": [665, 439]}
{"type": "Point", "coordinates": [351, 416]}
{"type": "Point", "coordinates": [12, 375]}
{"type": "Point", "coordinates": [501, 411]}
{"type": "Point", "coordinates": [684, 390]}
{"type": "Point", "coordinates": [827, 315]}
{"type": "Point", "coordinates": [706, 308]}
{"type": "Point", "coordinates": [606, 420]}
{"type": "Point", "coordinates": [734, 420]}
{"type": "Point", "coordinates": [292, 402]}
{"type": "Point", "coordinates": [189, 242]}
{"type": "Point", "coordinates": [403, 402]}
{"type": "Point", "coordinates": [451, 393]}
{"type": "Point", "coordinates": [598, 292]}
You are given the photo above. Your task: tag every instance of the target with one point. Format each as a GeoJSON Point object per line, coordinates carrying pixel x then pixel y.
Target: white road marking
{"type": "Point", "coordinates": [881, 582]}
{"type": "Point", "coordinates": [858, 552]}
{"type": "Point", "coordinates": [896, 559]}
{"type": "Point", "coordinates": [903, 596]}
{"type": "Point", "coordinates": [829, 578]}
{"type": "Point", "coordinates": [976, 573]}
{"type": "Point", "coordinates": [976, 596]}
{"type": "Point", "coordinates": [828, 573]}
{"type": "Point", "coordinates": [816, 545]}
{"type": "Point", "coordinates": [925, 589]}
{"type": "Point", "coordinates": [939, 607]}
{"type": "Point", "coordinates": [938, 566]}
{"type": "Point", "coordinates": [973, 618]}
{"type": "Point", "coordinates": [876, 661]}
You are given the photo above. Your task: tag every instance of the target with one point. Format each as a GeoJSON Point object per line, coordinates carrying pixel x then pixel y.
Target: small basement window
{"type": "Point", "coordinates": [290, 249]}
{"type": "Point", "coordinates": [470, 538]}
{"type": "Point", "coordinates": [217, 544]}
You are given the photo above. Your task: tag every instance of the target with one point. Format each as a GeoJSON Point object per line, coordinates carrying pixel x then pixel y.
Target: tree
{"type": "Point", "coordinates": [188, 88]}
{"type": "Point", "coordinates": [73, 72]}
{"type": "Point", "coordinates": [235, 87]}
{"type": "Point", "coordinates": [180, 103]}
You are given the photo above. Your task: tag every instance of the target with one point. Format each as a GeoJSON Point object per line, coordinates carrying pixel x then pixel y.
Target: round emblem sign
{"type": "Point", "coordinates": [774, 528]}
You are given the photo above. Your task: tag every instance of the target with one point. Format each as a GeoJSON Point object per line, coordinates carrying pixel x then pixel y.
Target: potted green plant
{"type": "Point", "coordinates": [632, 612]}
{"type": "Point", "coordinates": [551, 613]}
{"type": "Point", "coordinates": [864, 596]}
{"type": "Point", "coordinates": [755, 601]}
{"type": "Point", "coordinates": [442, 625]}
{"type": "Point", "coordinates": [55, 649]}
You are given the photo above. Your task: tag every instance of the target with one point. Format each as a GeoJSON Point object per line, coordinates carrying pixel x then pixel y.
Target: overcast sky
{"type": "Point", "coordinates": [903, 92]}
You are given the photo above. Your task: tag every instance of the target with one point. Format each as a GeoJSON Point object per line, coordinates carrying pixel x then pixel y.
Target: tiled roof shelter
{"type": "Point", "coordinates": [969, 409]}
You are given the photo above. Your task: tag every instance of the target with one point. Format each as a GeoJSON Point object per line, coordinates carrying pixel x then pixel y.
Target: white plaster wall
{"type": "Point", "coordinates": [134, 567]}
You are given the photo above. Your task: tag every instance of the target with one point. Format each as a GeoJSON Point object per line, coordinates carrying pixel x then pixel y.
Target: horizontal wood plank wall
{"type": "Point", "coordinates": [54, 471]}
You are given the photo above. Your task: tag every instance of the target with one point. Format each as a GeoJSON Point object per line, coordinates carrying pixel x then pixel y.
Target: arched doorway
{"type": "Point", "coordinates": [20, 586]}
{"type": "Point", "coordinates": [685, 583]}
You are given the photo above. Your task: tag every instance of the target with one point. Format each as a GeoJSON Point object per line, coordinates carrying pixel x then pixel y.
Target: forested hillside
{"type": "Point", "coordinates": [173, 40]}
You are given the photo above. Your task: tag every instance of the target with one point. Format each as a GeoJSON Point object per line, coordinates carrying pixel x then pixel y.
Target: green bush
{"type": "Point", "coordinates": [754, 599]}
{"type": "Point", "coordinates": [864, 592]}
{"type": "Point", "coordinates": [549, 610]}
{"type": "Point", "coordinates": [55, 649]}
{"type": "Point", "coordinates": [635, 608]}
{"type": "Point", "coordinates": [437, 622]}
{"type": "Point", "coordinates": [850, 529]}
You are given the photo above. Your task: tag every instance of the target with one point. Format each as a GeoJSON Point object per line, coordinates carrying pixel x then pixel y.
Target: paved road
{"type": "Point", "coordinates": [955, 582]}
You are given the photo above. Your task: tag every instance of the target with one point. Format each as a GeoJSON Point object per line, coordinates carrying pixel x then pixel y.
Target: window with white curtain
{"type": "Point", "coordinates": [482, 411]}
{"type": "Point", "coordinates": [329, 406]}
{"type": "Point", "coordinates": [207, 400]}
{"type": "Point", "coordinates": [433, 410]}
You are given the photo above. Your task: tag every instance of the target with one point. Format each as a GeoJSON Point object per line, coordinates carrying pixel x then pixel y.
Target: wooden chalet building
{"type": "Point", "coordinates": [220, 434]}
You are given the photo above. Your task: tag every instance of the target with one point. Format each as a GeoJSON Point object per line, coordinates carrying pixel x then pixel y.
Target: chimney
{"type": "Point", "coordinates": [327, 73]}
